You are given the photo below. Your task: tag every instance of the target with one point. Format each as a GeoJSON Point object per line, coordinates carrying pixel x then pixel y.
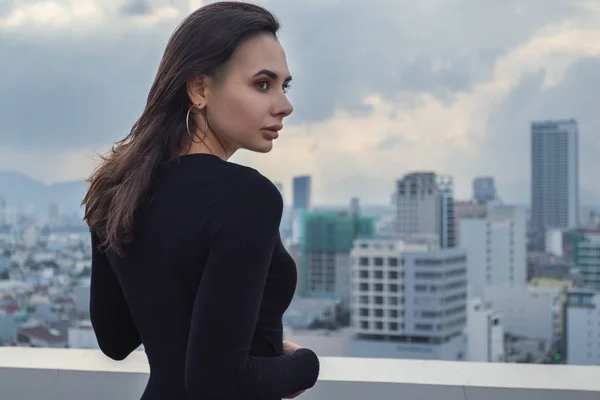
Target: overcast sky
{"type": "Point", "coordinates": [381, 87]}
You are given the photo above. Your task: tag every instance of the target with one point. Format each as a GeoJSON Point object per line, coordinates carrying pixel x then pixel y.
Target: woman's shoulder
{"type": "Point", "coordinates": [251, 185]}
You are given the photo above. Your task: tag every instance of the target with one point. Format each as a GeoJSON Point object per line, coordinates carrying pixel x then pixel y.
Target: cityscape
{"type": "Point", "coordinates": [438, 175]}
{"type": "Point", "coordinates": [427, 277]}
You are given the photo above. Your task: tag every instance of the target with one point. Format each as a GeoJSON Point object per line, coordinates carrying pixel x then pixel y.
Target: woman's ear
{"type": "Point", "coordinates": [197, 89]}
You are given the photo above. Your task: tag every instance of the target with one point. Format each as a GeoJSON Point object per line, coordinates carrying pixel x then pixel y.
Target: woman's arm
{"type": "Point", "coordinates": [219, 365]}
{"type": "Point", "coordinates": [109, 312]}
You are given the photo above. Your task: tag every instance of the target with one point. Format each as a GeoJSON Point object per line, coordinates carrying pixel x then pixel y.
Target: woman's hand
{"type": "Point", "coordinates": [291, 396]}
{"type": "Point", "coordinates": [288, 349]}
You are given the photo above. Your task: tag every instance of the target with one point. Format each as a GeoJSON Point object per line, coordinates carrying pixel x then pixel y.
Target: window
{"type": "Point", "coordinates": [364, 273]}
{"type": "Point", "coordinates": [393, 262]}
{"type": "Point", "coordinates": [378, 261]}
{"type": "Point", "coordinates": [378, 300]}
{"type": "Point", "coordinates": [378, 274]}
{"type": "Point", "coordinates": [393, 275]}
{"type": "Point", "coordinates": [379, 313]}
{"type": "Point", "coordinates": [379, 287]}
{"type": "Point", "coordinates": [393, 326]}
{"type": "Point", "coordinates": [363, 261]}
{"type": "Point", "coordinates": [364, 286]}
{"type": "Point", "coordinates": [364, 312]}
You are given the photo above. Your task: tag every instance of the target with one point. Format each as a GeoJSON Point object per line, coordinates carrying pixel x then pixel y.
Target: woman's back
{"type": "Point", "coordinates": [194, 287]}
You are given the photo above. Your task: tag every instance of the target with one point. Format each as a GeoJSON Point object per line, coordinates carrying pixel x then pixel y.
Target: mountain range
{"type": "Point", "coordinates": [20, 190]}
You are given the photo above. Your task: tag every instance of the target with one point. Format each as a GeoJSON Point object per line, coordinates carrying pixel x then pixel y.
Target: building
{"type": "Point", "coordinates": [408, 299]}
{"type": "Point", "coordinates": [554, 177]}
{"type": "Point", "coordinates": [582, 327]}
{"type": "Point", "coordinates": [425, 205]}
{"type": "Point", "coordinates": [325, 252]}
{"type": "Point", "coordinates": [300, 205]}
{"type": "Point", "coordinates": [466, 209]}
{"type": "Point", "coordinates": [584, 254]}
{"type": "Point", "coordinates": [485, 333]}
{"type": "Point", "coordinates": [302, 192]}
{"type": "Point", "coordinates": [496, 247]}
{"type": "Point", "coordinates": [531, 319]}
{"type": "Point", "coordinates": [484, 189]}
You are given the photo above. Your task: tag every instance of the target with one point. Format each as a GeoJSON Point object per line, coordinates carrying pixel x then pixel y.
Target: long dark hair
{"type": "Point", "coordinates": [202, 43]}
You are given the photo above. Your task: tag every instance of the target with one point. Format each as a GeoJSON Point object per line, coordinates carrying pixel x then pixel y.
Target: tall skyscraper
{"type": "Point", "coordinates": [302, 192]}
{"type": "Point", "coordinates": [425, 205]}
{"type": "Point", "coordinates": [484, 189]}
{"type": "Point", "coordinates": [554, 177]}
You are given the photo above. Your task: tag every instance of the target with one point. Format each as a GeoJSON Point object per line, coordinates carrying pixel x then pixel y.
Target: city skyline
{"type": "Point", "coordinates": [455, 99]}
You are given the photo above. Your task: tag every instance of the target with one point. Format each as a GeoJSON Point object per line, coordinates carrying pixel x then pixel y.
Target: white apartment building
{"type": "Point", "coordinates": [485, 333]}
{"type": "Point", "coordinates": [531, 316]}
{"type": "Point", "coordinates": [408, 299]}
{"type": "Point", "coordinates": [496, 247]}
{"type": "Point", "coordinates": [582, 327]}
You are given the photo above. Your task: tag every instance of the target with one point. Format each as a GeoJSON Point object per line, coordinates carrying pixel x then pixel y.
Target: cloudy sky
{"type": "Point", "coordinates": [381, 87]}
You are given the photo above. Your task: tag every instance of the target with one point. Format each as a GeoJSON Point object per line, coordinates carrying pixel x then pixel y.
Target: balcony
{"type": "Point", "coordinates": [64, 374]}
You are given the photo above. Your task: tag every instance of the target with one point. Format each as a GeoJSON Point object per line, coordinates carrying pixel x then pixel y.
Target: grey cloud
{"type": "Point", "coordinates": [391, 141]}
{"type": "Point", "coordinates": [7, 7]}
{"type": "Point", "coordinates": [63, 89]}
{"type": "Point", "coordinates": [136, 7]}
{"type": "Point", "coordinates": [398, 45]}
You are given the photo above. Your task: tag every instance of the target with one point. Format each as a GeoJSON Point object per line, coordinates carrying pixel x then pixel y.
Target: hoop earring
{"type": "Point", "coordinates": [187, 125]}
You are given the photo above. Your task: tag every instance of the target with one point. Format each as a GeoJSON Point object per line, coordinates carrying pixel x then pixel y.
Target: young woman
{"type": "Point", "coordinates": [187, 257]}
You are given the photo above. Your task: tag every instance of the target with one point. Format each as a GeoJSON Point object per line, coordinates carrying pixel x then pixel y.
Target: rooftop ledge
{"type": "Point", "coordinates": [53, 374]}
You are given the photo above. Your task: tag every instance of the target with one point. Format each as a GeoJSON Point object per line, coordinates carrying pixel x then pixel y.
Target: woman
{"type": "Point", "coordinates": [187, 257]}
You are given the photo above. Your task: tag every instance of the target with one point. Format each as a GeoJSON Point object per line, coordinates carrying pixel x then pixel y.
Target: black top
{"type": "Point", "coordinates": [203, 286]}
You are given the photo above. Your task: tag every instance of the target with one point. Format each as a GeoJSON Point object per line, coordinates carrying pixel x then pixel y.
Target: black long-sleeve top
{"type": "Point", "coordinates": [203, 286]}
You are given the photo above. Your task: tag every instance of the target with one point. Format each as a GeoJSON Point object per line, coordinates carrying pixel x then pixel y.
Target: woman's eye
{"type": "Point", "coordinates": [286, 87]}
{"type": "Point", "coordinates": [262, 85]}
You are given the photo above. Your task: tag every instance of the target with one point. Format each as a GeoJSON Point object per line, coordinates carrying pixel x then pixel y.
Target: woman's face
{"type": "Point", "coordinates": [247, 102]}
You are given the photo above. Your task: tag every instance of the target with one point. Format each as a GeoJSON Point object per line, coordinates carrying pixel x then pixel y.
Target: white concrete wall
{"type": "Point", "coordinates": [86, 374]}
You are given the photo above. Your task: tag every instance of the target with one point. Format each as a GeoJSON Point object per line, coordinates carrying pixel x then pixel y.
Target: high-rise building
{"type": "Point", "coordinates": [301, 204]}
{"type": "Point", "coordinates": [425, 205]}
{"type": "Point", "coordinates": [408, 299]}
{"type": "Point", "coordinates": [554, 177]}
{"type": "Point", "coordinates": [302, 192]}
{"type": "Point", "coordinates": [355, 205]}
{"type": "Point", "coordinates": [496, 246]}
{"type": "Point", "coordinates": [325, 256]}
{"type": "Point", "coordinates": [484, 189]}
